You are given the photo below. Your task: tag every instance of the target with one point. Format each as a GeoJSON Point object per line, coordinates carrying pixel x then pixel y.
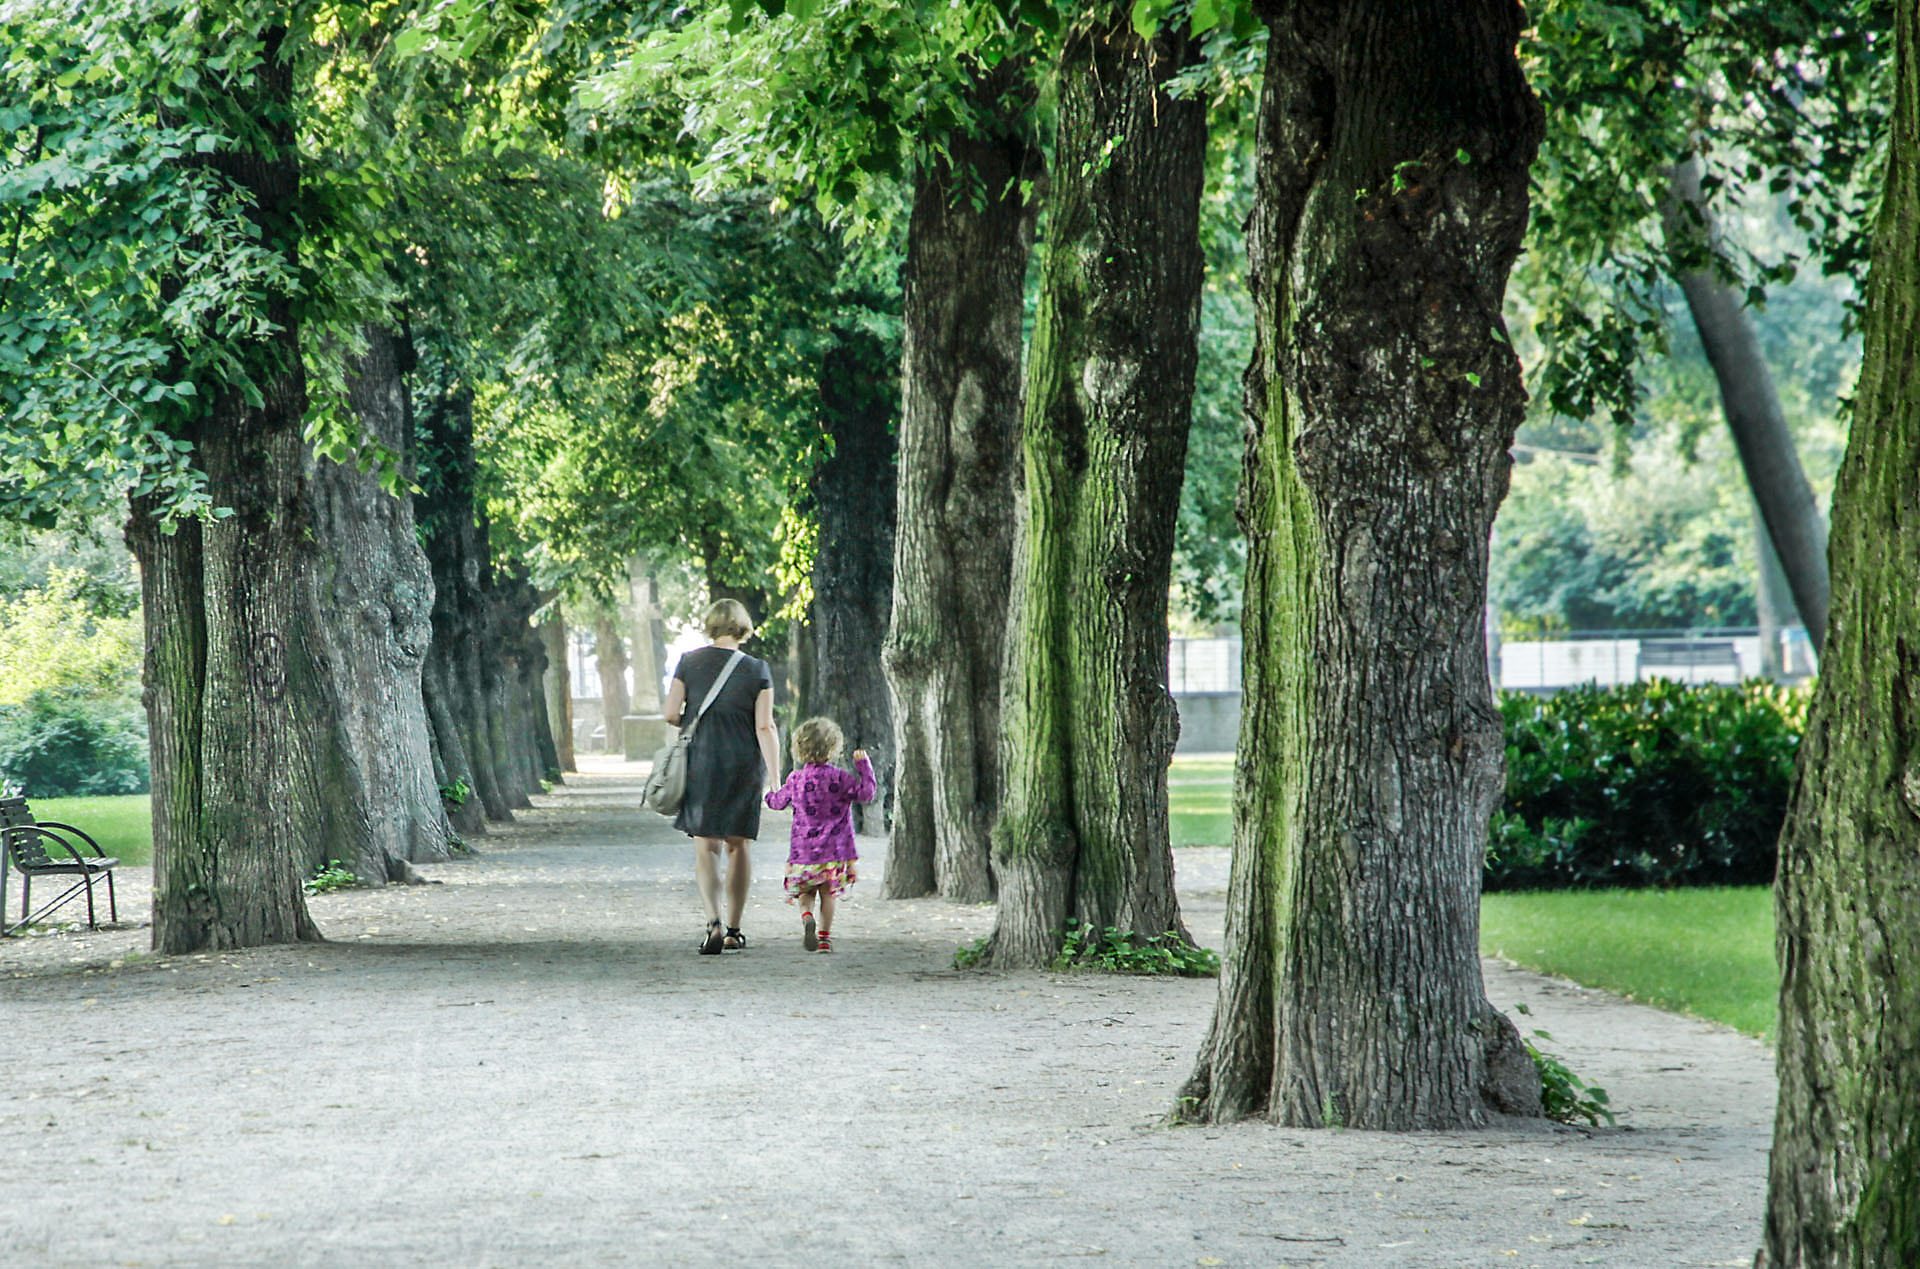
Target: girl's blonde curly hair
{"type": "Point", "coordinates": [817, 740]}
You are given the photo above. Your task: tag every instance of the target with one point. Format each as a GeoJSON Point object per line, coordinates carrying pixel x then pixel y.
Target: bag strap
{"type": "Point", "coordinates": [713, 693]}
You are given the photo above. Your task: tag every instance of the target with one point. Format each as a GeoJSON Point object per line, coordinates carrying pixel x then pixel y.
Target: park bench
{"type": "Point", "coordinates": [1688, 654]}
{"type": "Point", "coordinates": [23, 845]}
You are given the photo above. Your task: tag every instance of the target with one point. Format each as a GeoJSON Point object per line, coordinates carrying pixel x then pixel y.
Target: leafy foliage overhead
{"type": "Point", "coordinates": [1776, 98]}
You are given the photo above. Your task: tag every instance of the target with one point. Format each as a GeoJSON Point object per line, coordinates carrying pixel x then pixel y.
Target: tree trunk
{"type": "Point", "coordinates": [1772, 600]}
{"type": "Point", "coordinates": [525, 658]}
{"type": "Point", "coordinates": [372, 604]}
{"type": "Point", "coordinates": [854, 497]}
{"type": "Point", "coordinates": [172, 591]}
{"type": "Point", "coordinates": [610, 659]}
{"type": "Point", "coordinates": [959, 450]}
{"type": "Point", "coordinates": [646, 699]}
{"type": "Point", "coordinates": [558, 686]}
{"type": "Point", "coordinates": [1089, 724]}
{"type": "Point", "coordinates": [1751, 404]}
{"type": "Point", "coordinates": [454, 680]}
{"type": "Point", "coordinates": [475, 706]}
{"type": "Point", "coordinates": [1846, 1141]}
{"type": "Point", "coordinates": [235, 698]}
{"type": "Point", "coordinates": [501, 669]}
{"type": "Point", "coordinates": [1391, 196]}
{"type": "Point", "coordinates": [454, 767]}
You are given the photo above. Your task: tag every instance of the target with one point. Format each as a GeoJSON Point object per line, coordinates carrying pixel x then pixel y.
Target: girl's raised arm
{"type": "Point", "coordinates": [864, 784]}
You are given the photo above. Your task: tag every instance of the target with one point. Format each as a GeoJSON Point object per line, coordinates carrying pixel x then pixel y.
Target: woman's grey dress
{"type": "Point", "coordinates": [725, 772]}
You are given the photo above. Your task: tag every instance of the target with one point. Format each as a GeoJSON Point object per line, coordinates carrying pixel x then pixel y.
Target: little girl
{"type": "Point", "coordinates": [821, 860]}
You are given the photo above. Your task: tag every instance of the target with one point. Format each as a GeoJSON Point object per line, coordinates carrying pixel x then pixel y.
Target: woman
{"type": "Point", "coordinates": [734, 759]}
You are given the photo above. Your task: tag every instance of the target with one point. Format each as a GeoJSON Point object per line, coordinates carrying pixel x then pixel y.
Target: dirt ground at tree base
{"type": "Point", "coordinates": [528, 1065]}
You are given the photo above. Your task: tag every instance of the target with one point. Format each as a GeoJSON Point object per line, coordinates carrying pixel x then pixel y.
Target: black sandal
{"type": "Point", "coordinates": [710, 945]}
{"type": "Point", "coordinates": [735, 940]}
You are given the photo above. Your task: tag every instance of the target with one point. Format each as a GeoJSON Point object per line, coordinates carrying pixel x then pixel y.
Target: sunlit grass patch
{"type": "Point", "coordinates": [123, 825]}
{"type": "Point", "coordinates": [1200, 801]}
{"type": "Point", "coordinates": [1706, 951]}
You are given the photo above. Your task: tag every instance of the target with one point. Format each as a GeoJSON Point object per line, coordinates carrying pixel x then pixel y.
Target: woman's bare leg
{"type": "Point", "coordinates": [826, 909]}
{"type": "Point", "coordinates": [739, 876]}
{"type": "Point", "coordinates": [706, 872]}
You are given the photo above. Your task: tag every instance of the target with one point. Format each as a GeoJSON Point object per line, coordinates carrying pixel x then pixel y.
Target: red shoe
{"type": "Point", "coordinates": [826, 943]}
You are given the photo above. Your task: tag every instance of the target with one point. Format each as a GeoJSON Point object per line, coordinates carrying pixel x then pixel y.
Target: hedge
{"type": "Point", "coordinates": [1655, 784]}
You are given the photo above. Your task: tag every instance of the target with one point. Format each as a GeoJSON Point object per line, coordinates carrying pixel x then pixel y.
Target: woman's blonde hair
{"type": "Point", "coordinates": [727, 619]}
{"type": "Point", "coordinates": [817, 740]}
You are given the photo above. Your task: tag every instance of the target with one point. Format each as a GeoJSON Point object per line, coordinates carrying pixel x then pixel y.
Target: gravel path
{"type": "Point", "coordinates": [527, 1065]}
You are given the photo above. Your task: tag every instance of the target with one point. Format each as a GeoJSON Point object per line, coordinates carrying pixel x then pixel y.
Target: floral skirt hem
{"type": "Point", "coordinates": [832, 876]}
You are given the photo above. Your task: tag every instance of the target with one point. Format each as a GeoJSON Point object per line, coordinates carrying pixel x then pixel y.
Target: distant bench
{"type": "Point", "coordinates": [1689, 654]}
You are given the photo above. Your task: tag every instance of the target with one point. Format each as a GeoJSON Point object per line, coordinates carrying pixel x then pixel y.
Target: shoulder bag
{"type": "Point", "coordinates": [667, 786]}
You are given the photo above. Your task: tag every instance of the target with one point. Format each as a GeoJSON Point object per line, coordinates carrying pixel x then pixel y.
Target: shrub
{"type": "Point", "coordinates": [58, 745]}
{"type": "Point", "coordinates": [1116, 952]}
{"type": "Point", "coordinates": [1654, 784]}
{"type": "Point", "coordinates": [330, 876]}
{"type": "Point", "coordinates": [1564, 1096]}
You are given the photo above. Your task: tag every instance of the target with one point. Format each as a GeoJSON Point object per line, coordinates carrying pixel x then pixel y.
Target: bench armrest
{"type": "Point", "coordinates": [81, 833]}
{"type": "Point", "coordinates": [45, 833]}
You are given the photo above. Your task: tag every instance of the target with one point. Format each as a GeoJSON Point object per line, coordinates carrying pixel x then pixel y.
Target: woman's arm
{"type": "Point", "coordinates": [676, 701]}
{"type": "Point", "coordinates": [769, 736]}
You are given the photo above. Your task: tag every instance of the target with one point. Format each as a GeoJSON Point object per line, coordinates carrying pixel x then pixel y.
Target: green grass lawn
{"type": "Point", "coordinates": [1200, 798]}
{"type": "Point", "coordinates": [122, 825]}
{"type": "Point", "coordinates": [1706, 951]}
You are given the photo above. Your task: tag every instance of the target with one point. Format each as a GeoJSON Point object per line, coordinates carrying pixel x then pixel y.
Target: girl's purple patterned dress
{"type": "Point", "coordinates": [822, 797]}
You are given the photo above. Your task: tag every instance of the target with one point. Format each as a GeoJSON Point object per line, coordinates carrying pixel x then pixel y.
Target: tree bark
{"type": "Point", "coordinates": [1391, 197]}
{"type": "Point", "coordinates": [1772, 600]}
{"type": "Point", "coordinates": [558, 685]}
{"type": "Point", "coordinates": [238, 712]}
{"type": "Point", "coordinates": [453, 766]}
{"type": "Point", "coordinates": [647, 672]}
{"type": "Point", "coordinates": [959, 451]}
{"type": "Point", "coordinates": [172, 591]}
{"type": "Point", "coordinates": [1751, 405]}
{"type": "Point", "coordinates": [371, 604]}
{"type": "Point", "coordinates": [1089, 724]}
{"type": "Point", "coordinates": [610, 660]}
{"type": "Point", "coordinates": [501, 667]}
{"type": "Point", "coordinates": [1846, 1144]}
{"type": "Point", "coordinates": [854, 497]}
{"type": "Point", "coordinates": [522, 661]}
{"type": "Point", "coordinates": [455, 683]}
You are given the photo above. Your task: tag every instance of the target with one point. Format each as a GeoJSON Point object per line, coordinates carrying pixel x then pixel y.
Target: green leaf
{"type": "Point", "coordinates": [411, 41]}
{"type": "Point", "coordinates": [1146, 17]}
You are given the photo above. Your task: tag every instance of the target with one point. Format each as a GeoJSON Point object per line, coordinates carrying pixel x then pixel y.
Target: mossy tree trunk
{"type": "Point", "coordinates": [455, 684]}
{"type": "Point", "coordinates": [968, 244]}
{"type": "Point", "coordinates": [240, 716]}
{"type": "Point", "coordinates": [1088, 723]}
{"type": "Point", "coordinates": [1844, 1184]}
{"type": "Point", "coordinates": [173, 681]}
{"type": "Point", "coordinates": [1391, 196]}
{"type": "Point", "coordinates": [854, 498]}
